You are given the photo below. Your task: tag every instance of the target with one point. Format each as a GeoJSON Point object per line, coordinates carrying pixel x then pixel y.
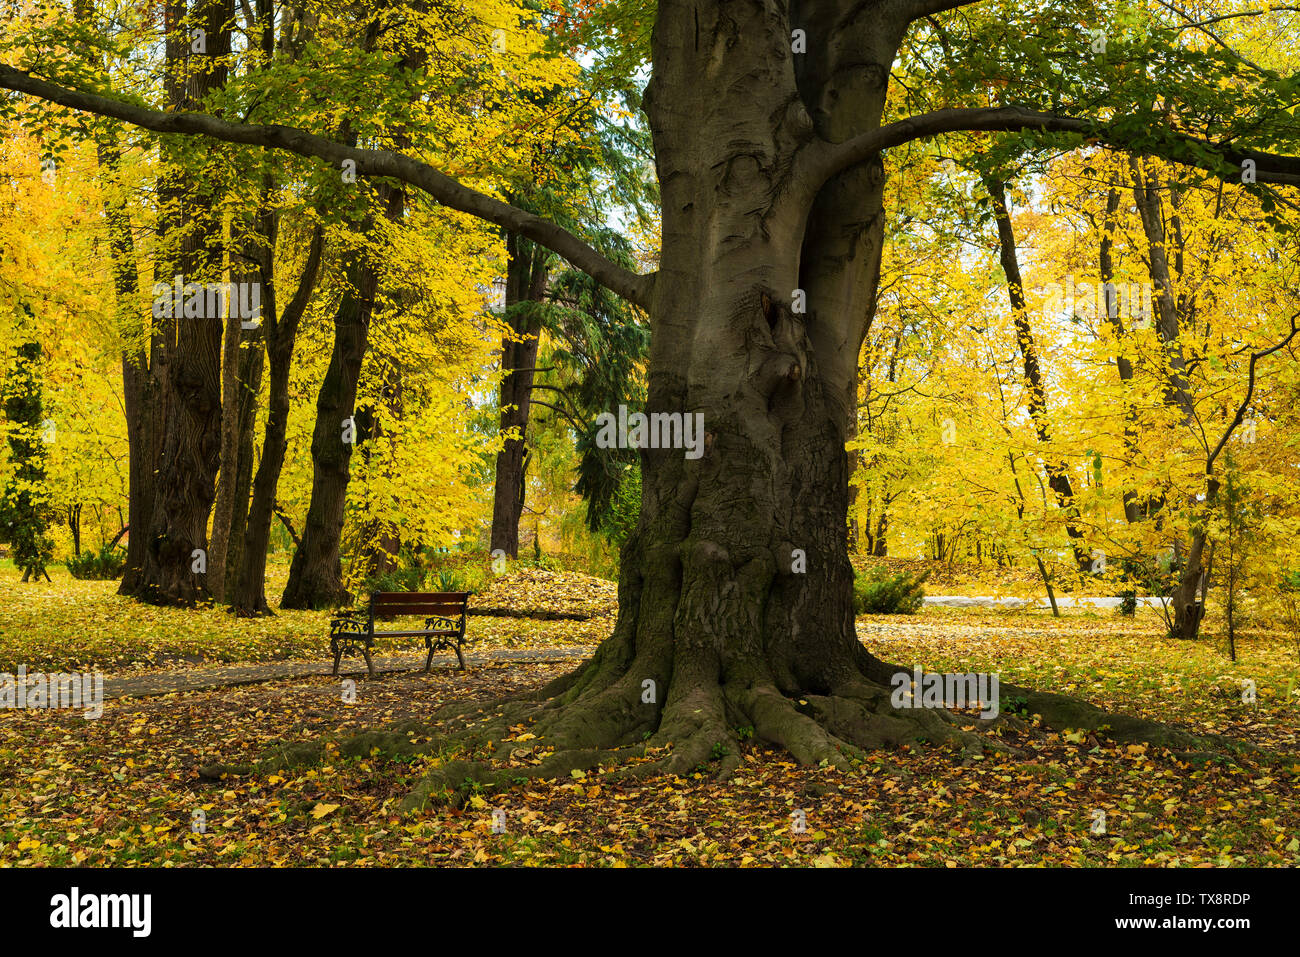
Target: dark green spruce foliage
{"type": "Point", "coordinates": [24, 508]}
{"type": "Point", "coordinates": [878, 592]}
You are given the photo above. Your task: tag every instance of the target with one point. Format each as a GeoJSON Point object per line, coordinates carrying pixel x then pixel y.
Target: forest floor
{"type": "Point", "coordinates": [124, 789]}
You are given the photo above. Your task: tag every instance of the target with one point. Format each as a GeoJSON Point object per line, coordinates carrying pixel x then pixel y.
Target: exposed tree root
{"type": "Point", "coordinates": [597, 717]}
{"type": "Point", "coordinates": [1061, 712]}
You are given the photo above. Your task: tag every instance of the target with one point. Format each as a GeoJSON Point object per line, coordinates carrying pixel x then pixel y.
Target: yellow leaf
{"type": "Point", "coordinates": [320, 810]}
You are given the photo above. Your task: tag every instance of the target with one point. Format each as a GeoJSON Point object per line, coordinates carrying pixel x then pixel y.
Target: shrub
{"type": "Point", "coordinates": [546, 563]}
{"type": "Point", "coordinates": [1288, 593]}
{"type": "Point", "coordinates": [1128, 602]}
{"type": "Point", "coordinates": [403, 578]}
{"type": "Point", "coordinates": [877, 592]}
{"type": "Point", "coordinates": [104, 565]}
{"type": "Point", "coordinates": [459, 578]}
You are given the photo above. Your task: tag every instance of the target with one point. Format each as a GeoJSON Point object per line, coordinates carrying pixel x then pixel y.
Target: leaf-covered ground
{"type": "Point", "coordinates": [75, 625]}
{"type": "Point", "coordinates": [125, 789]}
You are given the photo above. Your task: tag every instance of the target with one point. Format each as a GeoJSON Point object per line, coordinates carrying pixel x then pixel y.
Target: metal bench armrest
{"type": "Point", "coordinates": [350, 622]}
{"type": "Point", "coordinates": [445, 621]}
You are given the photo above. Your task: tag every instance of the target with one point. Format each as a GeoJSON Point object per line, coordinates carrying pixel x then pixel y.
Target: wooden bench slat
{"type": "Point", "coordinates": [398, 611]}
{"type": "Point", "coordinates": [451, 597]}
{"type": "Point", "coordinates": [422, 594]}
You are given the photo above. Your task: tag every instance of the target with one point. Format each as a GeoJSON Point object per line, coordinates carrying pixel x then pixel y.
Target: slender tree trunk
{"type": "Point", "coordinates": [881, 538]}
{"type": "Point", "coordinates": [381, 541]}
{"type": "Point", "coordinates": [252, 364]}
{"type": "Point", "coordinates": [1187, 597]}
{"type": "Point", "coordinates": [223, 511]}
{"type": "Point", "coordinates": [281, 336]}
{"type": "Point", "coordinates": [243, 360]}
{"type": "Point", "coordinates": [855, 463]}
{"type": "Point", "coordinates": [251, 532]}
{"type": "Point", "coordinates": [1058, 479]}
{"type": "Point", "coordinates": [316, 572]}
{"type": "Point", "coordinates": [1134, 510]}
{"type": "Point", "coordinates": [139, 392]}
{"type": "Point", "coordinates": [139, 388]}
{"type": "Point", "coordinates": [525, 282]}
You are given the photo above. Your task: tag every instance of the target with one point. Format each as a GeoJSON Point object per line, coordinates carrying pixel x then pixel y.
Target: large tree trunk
{"type": "Point", "coordinates": [735, 591]}
{"type": "Point", "coordinates": [525, 282]}
{"type": "Point", "coordinates": [175, 557]}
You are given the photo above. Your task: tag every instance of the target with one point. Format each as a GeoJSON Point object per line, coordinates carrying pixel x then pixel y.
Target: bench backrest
{"type": "Point", "coordinates": [394, 604]}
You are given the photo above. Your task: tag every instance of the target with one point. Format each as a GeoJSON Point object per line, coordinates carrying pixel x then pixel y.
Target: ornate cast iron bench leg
{"type": "Point", "coordinates": [346, 629]}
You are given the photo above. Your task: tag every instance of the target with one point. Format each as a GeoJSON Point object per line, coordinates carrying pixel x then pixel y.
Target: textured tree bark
{"type": "Point", "coordinates": [525, 282]}
{"type": "Point", "coordinates": [735, 592]}
{"type": "Point", "coordinates": [175, 558]}
{"type": "Point", "coordinates": [223, 510]}
{"type": "Point", "coordinates": [316, 572]}
{"type": "Point", "coordinates": [281, 336]}
{"type": "Point", "coordinates": [1188, 595]}
{"type": "Point", "coordinates": [252, 365]}
{"type": "Point", "coordinates": [1134, 510]}
{"type": "Point", "coordinates": [139, 388]}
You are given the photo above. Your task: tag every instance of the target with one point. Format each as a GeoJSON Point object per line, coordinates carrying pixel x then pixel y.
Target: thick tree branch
{"type": "Point", "coordinates": [916, 9]}
{"type": "Point", "coordinates": [288, 524]}
{"type": "Point", "coordinates": [632, 287]}
{"type": "Point", "coordinates": [827, 159]}
{"type": "Point", "coordinates": [578, 426]}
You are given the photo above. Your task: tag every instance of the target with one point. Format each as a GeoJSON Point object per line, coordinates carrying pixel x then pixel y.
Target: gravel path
{"type": "Point", "coordinates": [147, 683]}
{"type": "Point", "coordinates": [1062, 601]}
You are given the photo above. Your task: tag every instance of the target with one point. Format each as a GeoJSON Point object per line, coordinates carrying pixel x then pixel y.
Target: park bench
{"type": "Point", "coordinates": [444, 623]}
